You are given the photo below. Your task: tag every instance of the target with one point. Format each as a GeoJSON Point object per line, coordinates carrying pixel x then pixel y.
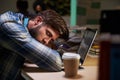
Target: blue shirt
{"type": "Point", "coordinates": [16, 45]}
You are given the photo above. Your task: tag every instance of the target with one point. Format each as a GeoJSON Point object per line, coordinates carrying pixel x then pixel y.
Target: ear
{"type": "Point", "coordinates": [38, 20]}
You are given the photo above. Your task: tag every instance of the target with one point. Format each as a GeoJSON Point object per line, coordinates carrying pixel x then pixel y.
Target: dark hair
{"type": "Point", "coordinates": [52, 18]}
{"type": "Point", "coordinates": [22, 4]}
{"type": "Point", "coordinates": [39, 2]}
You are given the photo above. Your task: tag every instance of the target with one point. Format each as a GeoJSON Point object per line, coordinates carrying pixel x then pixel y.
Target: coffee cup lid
{"type": "Point", "coordinates": [70, 55]}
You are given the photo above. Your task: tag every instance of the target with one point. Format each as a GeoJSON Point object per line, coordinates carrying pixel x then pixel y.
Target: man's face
{"type": "Point", "coordinates": [45, 34]}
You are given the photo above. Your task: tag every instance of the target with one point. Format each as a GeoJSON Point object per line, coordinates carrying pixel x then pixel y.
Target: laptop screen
{"type": "Point", "coordinates": [86, 43]}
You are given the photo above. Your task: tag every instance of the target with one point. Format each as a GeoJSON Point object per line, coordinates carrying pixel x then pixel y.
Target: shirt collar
{"type": "Point", "coordinates": [26, 22]}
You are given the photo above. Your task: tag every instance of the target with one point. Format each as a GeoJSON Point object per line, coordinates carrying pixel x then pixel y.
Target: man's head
{"type": "Point", "coordinates": [48, 26]}
{"type": "Point", "coordinates": [39, 6]}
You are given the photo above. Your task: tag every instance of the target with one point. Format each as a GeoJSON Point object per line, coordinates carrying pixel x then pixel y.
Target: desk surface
{"type": "Point", "coordinates": [90, 72]}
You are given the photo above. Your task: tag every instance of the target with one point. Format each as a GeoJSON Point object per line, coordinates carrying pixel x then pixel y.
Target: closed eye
{"type": "Point", "coordinates": [48, 33]}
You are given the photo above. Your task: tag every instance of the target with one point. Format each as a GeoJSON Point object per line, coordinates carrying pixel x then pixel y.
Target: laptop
{"type": "Point", "coordinates": [86, 43]}
{"type": "Point", "coordinates": [84, 46]}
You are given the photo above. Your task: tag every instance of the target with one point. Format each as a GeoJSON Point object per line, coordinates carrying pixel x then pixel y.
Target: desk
{"type": "Point", "coordinates": [90, 72]}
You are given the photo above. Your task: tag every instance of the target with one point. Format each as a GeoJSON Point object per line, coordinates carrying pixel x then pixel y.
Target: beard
{"type": "Point", "coordinates": [33, 33]}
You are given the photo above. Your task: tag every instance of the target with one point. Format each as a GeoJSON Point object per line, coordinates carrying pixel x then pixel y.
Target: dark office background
{"type": "Point", "coordinates": [89, 10]}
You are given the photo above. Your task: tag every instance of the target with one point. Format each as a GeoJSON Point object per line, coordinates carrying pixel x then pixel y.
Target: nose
{"type": "Point", "coordinates": [48, 40]}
